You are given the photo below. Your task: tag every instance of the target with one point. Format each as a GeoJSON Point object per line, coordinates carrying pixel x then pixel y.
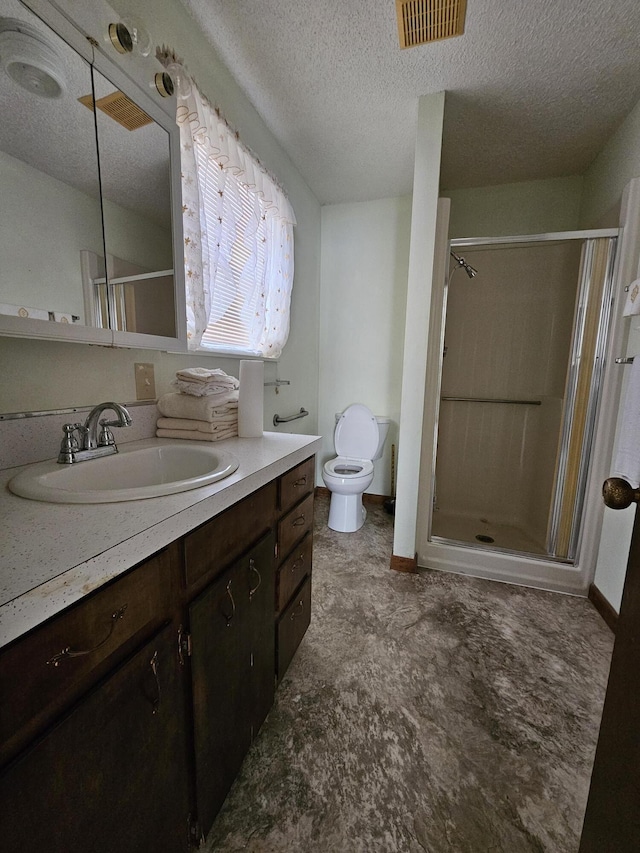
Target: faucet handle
{"type": "Point", "coordinates": [69, 446]}
{"type": "Point", "coordinates": [106, 439]}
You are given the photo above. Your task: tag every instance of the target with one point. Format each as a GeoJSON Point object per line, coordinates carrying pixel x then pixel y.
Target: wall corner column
{"type": "Point", "coordinates": [426, 180]}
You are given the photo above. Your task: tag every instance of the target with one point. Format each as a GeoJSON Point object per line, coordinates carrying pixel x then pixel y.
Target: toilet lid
{"type": "Point", "coordinates": [356, 433]}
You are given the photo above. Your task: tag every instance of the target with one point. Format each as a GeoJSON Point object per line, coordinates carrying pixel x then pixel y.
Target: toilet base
{"type": "Point", "coordinates": [346, 513]}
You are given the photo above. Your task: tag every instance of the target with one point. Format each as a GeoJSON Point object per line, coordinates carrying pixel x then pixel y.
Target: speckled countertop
{"type": "Point", "coordinates": [53, 554]}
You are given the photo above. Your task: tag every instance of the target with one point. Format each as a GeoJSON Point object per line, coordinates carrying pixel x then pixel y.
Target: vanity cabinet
{"type": "Point", "coordinates": [108, 776]}
{"type": "Point", "coordinates": [125, 719]}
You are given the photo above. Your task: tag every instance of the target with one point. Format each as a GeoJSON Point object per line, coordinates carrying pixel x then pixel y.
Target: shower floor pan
{"type": "Point", "coordinates": [483, 533]}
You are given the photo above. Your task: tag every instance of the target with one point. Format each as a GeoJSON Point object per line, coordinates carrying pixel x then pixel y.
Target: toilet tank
{"type": "Point", "coordinates": [383, 430]}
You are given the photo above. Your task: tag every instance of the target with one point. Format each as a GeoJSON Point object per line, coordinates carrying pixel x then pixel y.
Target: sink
{"type": "Point", "coordinates": [142, 470]}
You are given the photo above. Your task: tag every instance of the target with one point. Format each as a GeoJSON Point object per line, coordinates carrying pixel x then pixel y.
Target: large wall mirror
{"type": "Point", "coordinates": [86, 239]}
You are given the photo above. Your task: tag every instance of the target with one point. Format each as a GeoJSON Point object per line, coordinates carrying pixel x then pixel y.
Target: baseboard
{"type": "Point", "coordinates": [603, 607]}
{"type": "Point", "coordinates": [404, 564]}
{"type": "Point", "coordinates": [372, 500]}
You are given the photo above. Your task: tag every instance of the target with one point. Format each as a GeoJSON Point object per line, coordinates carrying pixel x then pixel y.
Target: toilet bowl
{"type": "Point", "coordinates": [358, 442]}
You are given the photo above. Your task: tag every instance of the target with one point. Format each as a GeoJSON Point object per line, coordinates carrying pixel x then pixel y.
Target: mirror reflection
{"type": "Point", "coordinates": [56, 264]}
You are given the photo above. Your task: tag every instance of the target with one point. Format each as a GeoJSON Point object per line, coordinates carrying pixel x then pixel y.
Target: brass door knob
{"type": "Point", "coordinates": [618, 494]}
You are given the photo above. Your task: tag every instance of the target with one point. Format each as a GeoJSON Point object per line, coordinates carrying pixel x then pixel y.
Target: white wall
{"type": "Point", "coordinates": [610, 172]}
{"type": "Point", "coordinates": [42, 232]}
{"type": "Point", "coordinates": [365, 257]}
{"type": "Point", "coordinates": [420, 281]}
{"type": "Point", "coordinates": [100, 374]}
{"type": "Point", "coordinates": [604, 182]}
{"type": "Point", "coordinates": [526, 207]}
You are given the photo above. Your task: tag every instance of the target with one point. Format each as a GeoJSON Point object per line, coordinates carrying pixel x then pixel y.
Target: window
{"type": "Point", "coordinates": [238, 237]}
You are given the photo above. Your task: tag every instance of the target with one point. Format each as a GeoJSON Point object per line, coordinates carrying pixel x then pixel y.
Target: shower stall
{"type": "Point", "coordinates": [522, 344]}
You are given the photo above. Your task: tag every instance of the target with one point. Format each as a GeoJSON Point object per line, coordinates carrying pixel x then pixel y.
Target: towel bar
{"type": "Point", "coordinates": [278, 420]}
{"type": "Point", "coordinates": [492, 400]}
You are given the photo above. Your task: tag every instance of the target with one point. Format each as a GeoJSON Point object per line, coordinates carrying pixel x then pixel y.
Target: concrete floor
{"type": "Point", "coordinates": [429, 712]}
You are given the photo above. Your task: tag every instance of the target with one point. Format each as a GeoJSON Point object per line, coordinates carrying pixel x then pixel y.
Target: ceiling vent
{"type": "Point", "coordinates": [424, 21]}
{"type": "Point", "coordinates": [120, 109]}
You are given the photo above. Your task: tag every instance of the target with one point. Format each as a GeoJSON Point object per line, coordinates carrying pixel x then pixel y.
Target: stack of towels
{"type": "Point", "coordinates": [204, 407]}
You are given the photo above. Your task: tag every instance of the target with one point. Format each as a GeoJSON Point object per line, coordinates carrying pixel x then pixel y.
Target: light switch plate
{"type": "Point", "coordinates": [145, 381]}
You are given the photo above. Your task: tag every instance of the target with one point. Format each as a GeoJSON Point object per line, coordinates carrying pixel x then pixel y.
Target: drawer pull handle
{"type": "Point", "coordinates": [68, 652]}
{"type": "Point", "coordinates": [299, 562]}
{"type": "Point", "coordinates": [229, 618]}
{"type": "Point", "coordinates": [153, 663]}
{"type": "Point", "coordinates": [252, 568]}
{"type": "Point", "coordinates": [299, 521]}
{"type": "Point", "coordinates": [297, 612]}
{"type": "Point", "coordinates": [301, 482]}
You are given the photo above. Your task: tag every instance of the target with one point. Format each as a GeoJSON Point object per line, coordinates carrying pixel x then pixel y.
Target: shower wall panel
{"type": "Point", "coordinates": [507, 336]}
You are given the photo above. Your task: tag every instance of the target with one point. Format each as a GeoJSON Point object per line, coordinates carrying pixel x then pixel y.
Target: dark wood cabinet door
{"type": "Point", "coordinates": [220, 671]}
{"type": "Point", "coordinates": [612, 819]}
{"type": "Point", "coordinates": [110, 776]}
{"type": "Point", "coordinates": [260, 566]}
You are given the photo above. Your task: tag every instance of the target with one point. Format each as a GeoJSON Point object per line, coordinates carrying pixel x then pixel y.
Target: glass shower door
{"type": "Point", "coordinates": [519, 385]}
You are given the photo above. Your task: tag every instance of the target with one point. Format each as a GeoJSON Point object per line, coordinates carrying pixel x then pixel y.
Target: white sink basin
{"type": "Point", "coordinates": [144, 470]}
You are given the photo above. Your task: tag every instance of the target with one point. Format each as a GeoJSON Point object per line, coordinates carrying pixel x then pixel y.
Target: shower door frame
{"type": "Point", "coordinates": [466, 557]}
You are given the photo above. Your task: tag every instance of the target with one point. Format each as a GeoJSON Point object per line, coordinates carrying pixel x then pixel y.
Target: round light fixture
{"type": "Point", "coordinates": [30, 60]}
{"type": "Point", "coordinates": [130, 36]}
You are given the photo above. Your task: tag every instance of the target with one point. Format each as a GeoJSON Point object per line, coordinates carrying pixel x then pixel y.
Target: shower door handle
{"type": "Point", "coordinates": [618, 494]}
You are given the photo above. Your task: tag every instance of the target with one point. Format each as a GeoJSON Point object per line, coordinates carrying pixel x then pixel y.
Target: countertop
{"type": "Point", "coordinates": [51, 555]}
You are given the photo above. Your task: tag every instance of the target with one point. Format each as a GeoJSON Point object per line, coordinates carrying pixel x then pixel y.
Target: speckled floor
{"type": "Point", "coordinates": [427, 712]}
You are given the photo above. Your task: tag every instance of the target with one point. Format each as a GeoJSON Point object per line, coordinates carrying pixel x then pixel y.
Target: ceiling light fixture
{"type": "Point", "coordinates": [30, 59]}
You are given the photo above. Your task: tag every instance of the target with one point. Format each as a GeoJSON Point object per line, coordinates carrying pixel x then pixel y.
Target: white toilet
{"type": "Point", "coordinates": [359, 439]}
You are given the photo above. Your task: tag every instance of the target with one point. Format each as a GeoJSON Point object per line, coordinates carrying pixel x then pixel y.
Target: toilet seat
{"type": "Point", "coordinates": [349, 468]}
{"type": "Point", "coordinates": [356, 435]}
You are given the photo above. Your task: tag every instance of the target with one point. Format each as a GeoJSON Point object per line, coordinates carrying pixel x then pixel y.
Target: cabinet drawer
{"type": "Point", "coordinates": [50, 667]}
{"type": "Point", "coordinates": [292, 626]}
{"type": "Point", "coordinates": [219, 542]}
{"type": "Point", "coordinates": [296, 524]}
{"type": "Point", "coordinates": [295, 484]}
{"type": "Point", "coordinates": [292, 572]}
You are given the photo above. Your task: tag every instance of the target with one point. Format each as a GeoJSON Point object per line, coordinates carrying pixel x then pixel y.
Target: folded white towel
{"type": "Point", "coordinates": [632, 305]}
{"type": "Point", "coordinates": [195, 435]}
{"type": "Point", "coordinates": [196, 408]}
{"type": "Point", "coordinates": [219, 424]}
{"type": "Point", "coordinates": [204, 375]}
{"type": "Point", "coordinates": [627, 459]}
{"type": "Point", "coordinates": [200, 389]}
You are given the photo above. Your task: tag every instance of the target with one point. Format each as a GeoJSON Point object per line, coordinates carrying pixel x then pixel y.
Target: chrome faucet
{"type": "Point", "coordinates": [92, 444]}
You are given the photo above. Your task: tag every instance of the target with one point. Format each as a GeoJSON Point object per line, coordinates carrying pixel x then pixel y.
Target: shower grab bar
{"type": "Point", "coordinates": [624, 360]}
{"type": "Point", "coordinates": [278, 420]}
{"type": "Point", "coordinates": [492, 400]}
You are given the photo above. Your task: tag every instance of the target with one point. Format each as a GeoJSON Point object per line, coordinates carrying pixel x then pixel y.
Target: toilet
{"type": "Point", "coordinates": [359, 438]}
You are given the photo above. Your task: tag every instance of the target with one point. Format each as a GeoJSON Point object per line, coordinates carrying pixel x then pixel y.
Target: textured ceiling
{"type": "Point", "coordinates": [534, 89]}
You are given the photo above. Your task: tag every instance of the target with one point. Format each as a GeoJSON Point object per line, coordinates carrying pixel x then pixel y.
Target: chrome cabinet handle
{"type": "Point", "coordinates": [298, 521]}
{"type": "Point", "coordinates": [153, 663]}
{"type": "Point", "coordinates": [68, 652]}
{"type": "Point", "coordinates": [252, 568]}
{"type": "Point", "coordinates": [294, 613]}
{"type": "Point", "coordinates": [229, 618]}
